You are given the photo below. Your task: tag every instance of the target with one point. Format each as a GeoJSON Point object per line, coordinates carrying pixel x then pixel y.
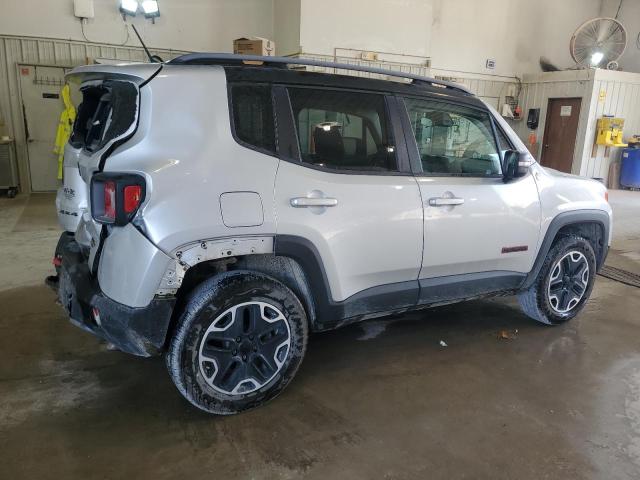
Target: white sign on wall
{"type": "Point", "coordinates": [565, 111]}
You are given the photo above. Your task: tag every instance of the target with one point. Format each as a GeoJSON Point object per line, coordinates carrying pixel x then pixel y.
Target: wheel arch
{"type": "Point", "coordinates": [593, 225]}
{"type": "Point", "coordinates": [282, 268]}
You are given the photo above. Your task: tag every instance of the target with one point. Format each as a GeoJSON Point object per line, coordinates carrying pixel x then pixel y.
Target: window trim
{"type": "Point", "coordinates": [232, 124]}
{"type": "Point", "coordinates": [393, 120]}
{"type": "Point", "coordinates": [412, 144]}
{"type": "Point", "coordinates": [498, 128]}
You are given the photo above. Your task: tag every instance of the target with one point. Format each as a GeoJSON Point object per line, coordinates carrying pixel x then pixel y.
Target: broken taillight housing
{"type": "Point", "coordinates": [116, 197]}
{"type": "Point", "coordinates": [109, 200]}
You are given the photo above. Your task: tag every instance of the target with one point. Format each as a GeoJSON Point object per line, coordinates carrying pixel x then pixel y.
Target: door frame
{"type": "Point", "coordinates": [446, 288]}
{"type": "Point", "coordinates": [377, 300]}
{"type": "Point", "coordinates": [20, 131]}
{"type": "Point", "coordinates": [546, 126]}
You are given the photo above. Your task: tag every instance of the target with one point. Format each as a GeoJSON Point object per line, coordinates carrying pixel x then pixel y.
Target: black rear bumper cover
{"type": "Point", "coordinates": [138, 331]}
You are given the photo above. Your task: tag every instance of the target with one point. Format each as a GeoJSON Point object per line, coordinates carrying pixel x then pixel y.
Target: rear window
{"type": "Point", "coordinates": [106, 112]}
{"type": "Point", "coordinates": [253, 120]}
{"type": "Point", "coordinates": [343, 130]}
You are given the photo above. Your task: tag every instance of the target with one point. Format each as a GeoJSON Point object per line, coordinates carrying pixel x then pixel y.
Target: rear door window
{"type": "Point", "coordinates": [343, 130]}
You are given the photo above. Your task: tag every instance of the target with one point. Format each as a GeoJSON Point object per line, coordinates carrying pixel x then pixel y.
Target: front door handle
{"type": "Point", "coordinates": [445, 201]}
{"type": "Point", "coordinates": [302, 202]}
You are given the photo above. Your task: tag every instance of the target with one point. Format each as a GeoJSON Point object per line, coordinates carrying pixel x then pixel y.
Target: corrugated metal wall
{"type": "Point", "coordinates": [617, 94]}
{"type": "Point", "coordinates": [416, 69]}
{"type": "Point", "coordinates": [603, 92]}
{"type": "Point", "coordinates": [491, 88]}
{"type": "Point", "coordinates": [51, 52]}
{"type": "Point", "coordinates": [536, 92]}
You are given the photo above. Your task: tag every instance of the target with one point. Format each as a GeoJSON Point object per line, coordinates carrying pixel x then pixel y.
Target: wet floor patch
{"type": "Point", "coordinates": [615, 437]}
{"type": "Point", "coordinates": [39, 214]}
{"type": "Point", "coordinates": [398, 406]}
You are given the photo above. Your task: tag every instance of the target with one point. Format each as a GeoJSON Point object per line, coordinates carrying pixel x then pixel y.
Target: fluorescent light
{"type": "Point", "coordinates": [129, 7]}
{"type": "Point", "coordinates": [596, 58]}
{"type": "Point", "coordinates": [150, 8]}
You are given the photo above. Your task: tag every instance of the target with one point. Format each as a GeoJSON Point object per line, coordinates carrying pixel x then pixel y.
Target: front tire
{"type": "Point", "coordinates": [564, 283]}
{"type": "Point", "coordinates": [239, 341]}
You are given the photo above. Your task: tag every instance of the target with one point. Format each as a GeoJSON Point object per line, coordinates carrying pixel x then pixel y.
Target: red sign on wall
{"type": "Point", "coordinates": [24, 71]}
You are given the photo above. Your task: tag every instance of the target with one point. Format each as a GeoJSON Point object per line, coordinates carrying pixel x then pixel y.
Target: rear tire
{"type": "Point", "coordinates": [238, 343]}
{"type": "Point", "coordinates": [564, 283]}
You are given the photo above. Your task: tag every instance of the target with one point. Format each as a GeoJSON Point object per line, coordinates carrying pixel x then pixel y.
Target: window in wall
{"type": "Point", "coordinates": [253, 116]}
{"type": "Point", "coordinates": [453, 139]}
{"type": "Point", "coordinates": [343, 130]}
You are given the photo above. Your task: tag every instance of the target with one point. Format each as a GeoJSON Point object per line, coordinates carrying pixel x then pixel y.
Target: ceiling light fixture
{"type": "Point", "coordinates": [150, 8]}
{"type": "Point", "coordinates": [129, 7]}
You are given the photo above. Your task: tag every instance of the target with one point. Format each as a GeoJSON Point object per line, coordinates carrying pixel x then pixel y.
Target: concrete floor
{"type": "Point", "coordinates": [378, 400]}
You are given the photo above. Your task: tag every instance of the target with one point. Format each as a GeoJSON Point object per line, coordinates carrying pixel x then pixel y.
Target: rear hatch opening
{"type": "Point", "coordinates": [107, 112]}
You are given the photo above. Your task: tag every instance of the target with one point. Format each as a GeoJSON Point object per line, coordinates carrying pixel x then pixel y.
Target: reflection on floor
{"type": "Point", "coordinates": [535, 403]}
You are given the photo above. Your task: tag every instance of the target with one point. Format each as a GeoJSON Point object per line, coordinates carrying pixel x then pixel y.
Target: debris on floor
{"type": "Point", "coordinates": [443, 343]}
{"type": "Point", "coordinates": [507, 335]}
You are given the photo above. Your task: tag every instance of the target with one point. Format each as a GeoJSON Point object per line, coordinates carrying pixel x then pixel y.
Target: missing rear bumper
{"type": "Point", "coordinates": [138, 331]}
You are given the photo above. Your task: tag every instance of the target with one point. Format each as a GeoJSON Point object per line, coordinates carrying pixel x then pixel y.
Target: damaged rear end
{"type": "Point", "coordinates": [98, 206]}
{"type": "Point", "coordinates": [106, 116]}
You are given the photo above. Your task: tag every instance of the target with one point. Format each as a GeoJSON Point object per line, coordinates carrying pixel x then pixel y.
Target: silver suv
{"type": "Point", "coordinates": [217, 212]}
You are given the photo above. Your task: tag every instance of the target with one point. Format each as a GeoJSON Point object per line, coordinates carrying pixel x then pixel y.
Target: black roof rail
{"type": "Point", "coordinates": [226, 58]}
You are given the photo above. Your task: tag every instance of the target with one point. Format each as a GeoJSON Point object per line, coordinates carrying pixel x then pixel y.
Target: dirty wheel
{"type": "Point", "coordinates": [564, 283]}
{"type": "Point", "coordinates": [238, 343]}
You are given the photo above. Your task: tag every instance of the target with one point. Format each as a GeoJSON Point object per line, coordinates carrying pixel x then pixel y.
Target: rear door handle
{"type": "Point", "coordinates": [302, 202]}
{"type": "Point", "coordinates": [444, 201]}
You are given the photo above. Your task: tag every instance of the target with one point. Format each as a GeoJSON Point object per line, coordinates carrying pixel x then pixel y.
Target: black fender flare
{"type": "Point", "coordinates": [564, 219]}
{"type": "Point", "coordinates": [305, 253]}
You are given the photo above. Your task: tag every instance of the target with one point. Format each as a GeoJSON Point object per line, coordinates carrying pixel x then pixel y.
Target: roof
{"type": "Point", "coordinates": [233, 59]}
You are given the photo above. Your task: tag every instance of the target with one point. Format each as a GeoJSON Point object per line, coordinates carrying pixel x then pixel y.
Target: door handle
{"type": "Point", "coordinates": [302, 202]}
{"type": "Point", "coordinates": [445, 202]}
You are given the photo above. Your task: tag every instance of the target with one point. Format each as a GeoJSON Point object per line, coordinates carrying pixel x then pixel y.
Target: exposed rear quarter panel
{"type": "Point", "coordinates": [185, 148]}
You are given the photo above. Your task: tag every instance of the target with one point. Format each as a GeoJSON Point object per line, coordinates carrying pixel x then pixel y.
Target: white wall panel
{"type": "Point", "coordinates": [539, 88]}
{"type": "Point", "coordinates": [621, 92]}
{"type": "Point", "coordinates": [209, 25]}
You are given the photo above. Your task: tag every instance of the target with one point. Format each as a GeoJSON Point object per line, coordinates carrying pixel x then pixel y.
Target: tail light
{"type": "Point", "coordinates": [116, 197]}
{"type": "Point", "coordinates": [132, 198]}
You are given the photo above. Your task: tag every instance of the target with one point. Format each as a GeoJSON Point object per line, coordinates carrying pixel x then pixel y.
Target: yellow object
{"type": "Point", "coordinates": [609, 132]}
{"type": "Point", "coordinates": [602, 96]}
{"type": "Point", "coordinates": [65, 127]}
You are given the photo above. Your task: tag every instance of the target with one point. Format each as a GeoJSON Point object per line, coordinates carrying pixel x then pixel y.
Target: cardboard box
{"type": "Point", "coordinates": [254, 46]}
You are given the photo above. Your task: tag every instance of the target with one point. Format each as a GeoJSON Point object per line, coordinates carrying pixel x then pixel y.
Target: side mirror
{"type": "Point", "coordinates": [511, 167]}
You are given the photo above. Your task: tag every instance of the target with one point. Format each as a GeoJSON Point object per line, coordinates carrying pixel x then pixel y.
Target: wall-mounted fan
{"type": "Point", "coordinates": [598, 42]}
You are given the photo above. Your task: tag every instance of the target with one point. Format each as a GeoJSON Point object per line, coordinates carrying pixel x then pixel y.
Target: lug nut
{"type": "Point", "coordinates": [244, 357]}
{"type": "Point", "coordinates": [250, 337]}
{"type": "Point", "coordinates": [238, 339]}
{"type": "Point", "coordinates": [235, 352]}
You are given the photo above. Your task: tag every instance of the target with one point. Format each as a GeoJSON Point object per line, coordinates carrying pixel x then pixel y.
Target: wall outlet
{"type": "Point", "coordinates": [83, 8]}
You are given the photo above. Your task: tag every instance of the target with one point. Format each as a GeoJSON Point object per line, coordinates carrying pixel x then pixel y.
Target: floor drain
{"type": "Point", "coordinates": [620, 275]}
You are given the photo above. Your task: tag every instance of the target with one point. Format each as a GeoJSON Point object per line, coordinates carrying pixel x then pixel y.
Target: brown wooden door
{"type": "Point", "coordinates": [560, 130]}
